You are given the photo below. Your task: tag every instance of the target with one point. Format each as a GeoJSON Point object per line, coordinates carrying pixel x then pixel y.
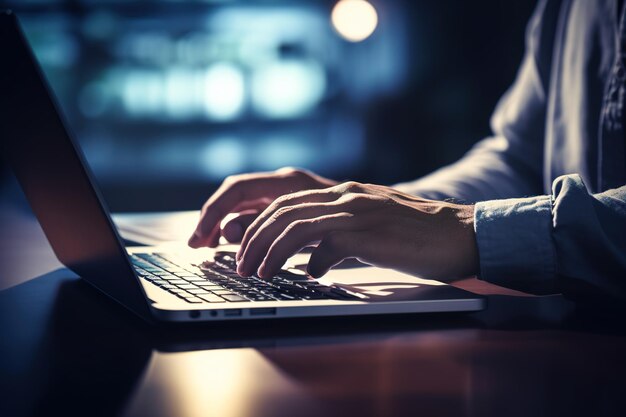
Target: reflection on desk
{"type": "Point", "coordinates": [66, 350]}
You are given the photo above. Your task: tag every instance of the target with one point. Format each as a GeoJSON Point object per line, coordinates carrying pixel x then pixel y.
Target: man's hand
{"type": "Point", "coordinates": [376, 224]}
{"type": "Point", "coordinates": [248, 195]}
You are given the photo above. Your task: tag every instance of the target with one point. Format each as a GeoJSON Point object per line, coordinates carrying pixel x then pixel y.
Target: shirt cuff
{"type": "Point", "coordinates": [515, 247]}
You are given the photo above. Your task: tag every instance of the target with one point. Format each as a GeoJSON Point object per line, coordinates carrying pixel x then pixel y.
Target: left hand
{"type": "Point", "coordinates": [375, 224]}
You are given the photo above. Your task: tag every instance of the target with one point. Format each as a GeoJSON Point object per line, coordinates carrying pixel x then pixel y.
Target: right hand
{"type": "Point", "coordinates": [248, 195]}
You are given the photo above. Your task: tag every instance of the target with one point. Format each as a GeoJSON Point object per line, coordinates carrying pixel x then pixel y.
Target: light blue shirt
{"type": "Point", "coordinates": [549, 184]}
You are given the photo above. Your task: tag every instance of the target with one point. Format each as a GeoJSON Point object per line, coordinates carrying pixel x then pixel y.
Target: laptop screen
{"type": "Point", "coordinates": [55, 177]}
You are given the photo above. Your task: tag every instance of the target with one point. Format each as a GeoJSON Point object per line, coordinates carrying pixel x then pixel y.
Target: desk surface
{"type": "Point", "coordinates": [66, 350]}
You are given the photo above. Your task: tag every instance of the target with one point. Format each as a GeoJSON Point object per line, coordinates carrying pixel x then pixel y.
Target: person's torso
{"type": "Point", "coordinates": [582, 56]}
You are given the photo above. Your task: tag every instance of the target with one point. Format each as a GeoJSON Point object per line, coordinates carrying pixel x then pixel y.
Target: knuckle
{"type": "Point", "coordinates": [280, 212]}
{"type": "Point", "coordinates": [353, 198]}
{"type": "Point", "coordinates": [349, 187]}
{"type": "Point", "coordinates": [287, 199]}
{"type": "Point", "coordinates": [281, 201]}
{"type": "Point", "coordinates": [353, 185]}
{"type": "Point", "coordinates": [287, 170]}
{"type": "Point", "coordinates": [296, 226]}
{"type": "Point", "coordinates": [231, 179]}
{"type": "Point", "coordinates": [274, 207]}
{"type": "Point", "coordinates": [301, 178]}
{"type": "Point", "coordinates": [291, 172]}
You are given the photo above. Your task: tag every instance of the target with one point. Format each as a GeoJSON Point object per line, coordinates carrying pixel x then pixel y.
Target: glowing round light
{"type": "Point", "coordinates": [224, 92]}
{"type": "Point", "coordinates": [287, 89]}
{"type": "Point", "coordinates": [223, 156]}
{"type": "Point", "coordinates": [354, 20]}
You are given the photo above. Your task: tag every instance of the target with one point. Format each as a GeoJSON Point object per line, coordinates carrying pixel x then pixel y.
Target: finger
{"type": "Point", "coordinates": [240, 190]}
{"type": "Point", "coordinates": [233, 227]}
{"type": "Point", "coordinates": [266, 229]}
{"type": "Point", "coordinates": [199, 239]}
{"type": "Point", "coordinates": [267, 262]}
{"type": "Point", "coordinates": [231, 195]}
{"type": "Point", "coordinates": [253, 249]}
{"type": "Point", "coordinates": [337, 246]}
{"type": "Point", "coordinates": [304, 200]}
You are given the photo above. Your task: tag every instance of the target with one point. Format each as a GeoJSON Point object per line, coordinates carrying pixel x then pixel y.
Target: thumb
{"type": "Point", "coordinates": [234, 226]}
{"type": "Point", "coordinates": [334, 248]}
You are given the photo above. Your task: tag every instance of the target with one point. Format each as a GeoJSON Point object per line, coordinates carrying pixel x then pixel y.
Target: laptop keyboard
{"type": "Point", "coordinates": [218, 281]}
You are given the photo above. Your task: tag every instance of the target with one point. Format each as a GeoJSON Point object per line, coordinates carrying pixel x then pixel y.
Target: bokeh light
{"type": "Point", "coordinates": [288, 88]}
{"type": "Point", "coordinates": [223, 156]}
{"type": "Point", "coordinates": [354, 20]}
{"type": "Point", "coordinates": [224, 96]}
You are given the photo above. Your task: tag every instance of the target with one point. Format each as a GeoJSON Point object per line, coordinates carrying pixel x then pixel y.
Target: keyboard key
{"type": "Point", "coordinates": [194, 300]}
{"type": "Point", "coordinates": [194, 279]}
{"type": "Point", "coordinates": [150, 277]}
{"type": "Point", "coordinates": [224, 292]}
{"type": "Point", "coordinates": [211, 298]}
{"type": "Point", "coordinates": [234, 298]}
{"type": "Point", "coordinates": [199, 291]}
{"type": "Point", "coordinates": [209, 286]}
{"type": "Point", "coordinates": [259, 297]}
{"type": "Point", "coordinates": [177, 281]}
{"type": "Point", "coordinates": [187, 286]}
{"type": "Point", "coordinates": [286, 297]}
{"type": "Point", "coordinates": [170, 278]}
{"type": "Point", "coordinates": [219, 279]}
{"type": "Point", "coordinates": [181, 294]}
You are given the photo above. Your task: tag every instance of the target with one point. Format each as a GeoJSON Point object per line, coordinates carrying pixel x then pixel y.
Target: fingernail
{"type": "Point", "coordinates": [240, 270]}
{"type": "Point", "coordinates": [261, 271]}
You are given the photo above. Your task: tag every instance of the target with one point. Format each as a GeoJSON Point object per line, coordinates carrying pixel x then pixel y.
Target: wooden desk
{"type": "Point", "coordinates": [65, 350]}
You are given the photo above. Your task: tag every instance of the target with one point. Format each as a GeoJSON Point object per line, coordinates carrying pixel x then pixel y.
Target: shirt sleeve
{"type": "Point", "coordinates": [571, 241]}
{"type": "Point", "coordinates": [510, 162]}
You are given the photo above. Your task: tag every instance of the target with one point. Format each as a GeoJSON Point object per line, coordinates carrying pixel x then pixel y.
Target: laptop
{"type": "Point", "coordinates": [172, 283]}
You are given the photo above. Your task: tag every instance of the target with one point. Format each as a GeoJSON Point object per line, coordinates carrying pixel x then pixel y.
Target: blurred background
{"type": "Point", "coordinates": [167, 97]}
